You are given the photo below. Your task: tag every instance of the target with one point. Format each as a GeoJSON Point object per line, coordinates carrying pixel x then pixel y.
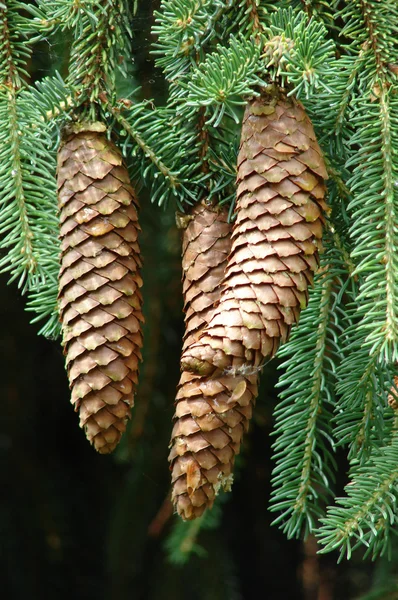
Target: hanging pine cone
{"type": "Point", "coordinates": [276, 237]}
{"type": "Point", "coordinates": [99, 297]}
{"type": "Point", "coordinates": [212, 413]}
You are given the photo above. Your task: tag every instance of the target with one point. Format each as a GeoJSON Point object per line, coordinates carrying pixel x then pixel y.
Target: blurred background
{"type": "Point", "coordinates": [74, 524]}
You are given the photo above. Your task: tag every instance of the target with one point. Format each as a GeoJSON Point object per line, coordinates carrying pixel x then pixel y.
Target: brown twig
{"type": "Point", "coordinates": [162, 516]}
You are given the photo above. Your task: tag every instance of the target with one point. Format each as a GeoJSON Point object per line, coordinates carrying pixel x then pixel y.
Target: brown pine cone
{"type": "Point", "coordinates": [392, 396]}
{"type": "Point", "coordinates": [99, 297]}
{"type": "Point", "coordinates": [212, 413]}
{"type": "Point", "coordinates": [206, 245]}
{"type": "Point", "coordinates": [276, 237]}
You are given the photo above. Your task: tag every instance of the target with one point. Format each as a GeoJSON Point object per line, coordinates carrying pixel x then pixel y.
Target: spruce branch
{"type": "Point", "coordinates": [182, 28]}
{"type": "Point", "coordinates": [375, 218]}
{"type": "Point", "coordinates": [159, 152]}
{"type": "Point", "coordinates": [215, 54]}
{"type": "Point", "coordinates": [308, 56]}
{"type": "Point", "coordinates": [345, 255]}
{"type": "Point", "coordinates": [322, 10]}
{"type": "Point", "coordinates": [224, 78]}
{"type": "Point", "coordinates": [353, 69]}
{"type": "Point", "coordinates": [254, 16]}
{"type": "Point", "coordinates": [250, 17]}
{"type": "Point", "coordinates": [380, 19]}
{"type": "Point", "coordinates": [380, 27]}
{"type": "Point", "coordinates": [100, 49]}
{"type": "Point", "coordinates": [24, 169]}
{"type": "Point", "coordinates": [43, 299]}
{"type": "Point", "coordinates": [17, 235]}
{"type": "Point", "coordinates": [391, 217]}
{"type": "Point", "coordinates": [304, 448]}
{"type": "Point", "coordinates": [177, 22]}
{"type": "Point", "coordinates": [149, 153]}
{"type": "Point", "coordinates": [363, 384]}
{"type": "Point", "coordinates": [14, 52]}
{"type": "Point", "coordinates": [39, 179]}
{"type": "Point", "coordinates": [52, 99]}
{"type": "Point", "coordinates": [368, 514]}
{"type": "Point", "coordinates": [356, 129]}
{"type": "Point", "coordinates": [62, 14]}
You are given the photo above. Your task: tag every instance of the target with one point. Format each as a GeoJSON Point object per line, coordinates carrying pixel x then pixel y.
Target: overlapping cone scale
{"type": "Point", "coordinates": [276, 237]}
{"type": "Point", "coordinates": [212, 413]}
{"type": "Point", "coordinates": [206, 244]}
{"type": "Point", "coordinates": [99, 286]}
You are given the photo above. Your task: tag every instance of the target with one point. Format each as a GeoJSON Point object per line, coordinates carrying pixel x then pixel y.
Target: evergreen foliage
{"type": "Point", "coordinates": [304, 449]}
{"type": "Point", "coordinates": [182, 542]}
{"type": "Point", "coordinates": [341, 59]}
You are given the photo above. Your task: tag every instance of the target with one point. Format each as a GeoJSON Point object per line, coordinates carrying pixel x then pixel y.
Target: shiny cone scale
{"type": "Point", "coordinates": [206, 245]}
{"type": "Point", "coordinates": [212, 413]}
{"type": "Point", "coordinates": [99, 297]}
{"type": "Point", "coordinates": [276, 237]}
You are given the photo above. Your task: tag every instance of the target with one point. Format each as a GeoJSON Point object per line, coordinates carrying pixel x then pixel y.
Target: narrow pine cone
{"type": "Point", "coordinates": [276, 237]}
{"type": "Point", "coordinates": [206, 245]}
{"type": "Point", "coordinates": [99, 297]}
{"type": "Point", "coordinates": [212, 413]}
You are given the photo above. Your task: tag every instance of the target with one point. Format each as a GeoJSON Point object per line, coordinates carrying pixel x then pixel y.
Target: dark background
{"type": "Point", "coordinates": [74, 524]}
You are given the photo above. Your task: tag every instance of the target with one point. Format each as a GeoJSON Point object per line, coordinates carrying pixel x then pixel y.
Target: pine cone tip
{"type": "Point", "coordinates": [192, 503]}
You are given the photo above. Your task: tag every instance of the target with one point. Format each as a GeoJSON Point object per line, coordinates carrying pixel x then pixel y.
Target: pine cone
{"type": "Point", "coordinates": [212, 413]}
{"type": "Point", "coordinates": [276, 237]}
{"type": "Point", "coordinates": [99, 297]}
{"type": "Point", "coordinates": [205, 248]}
{"type": "Point", "coordinates": [392, 396]}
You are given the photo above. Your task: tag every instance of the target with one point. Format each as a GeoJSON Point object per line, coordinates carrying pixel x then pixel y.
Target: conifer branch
{"type": "Point", "coordinates": [341, 357]}
{"type": "Point", "coordinates": [62, 107]}
{"type": "Point", "coordinates": [373, 20]}
{"type": "Point", "coordinates": [391, 219]}
{"type": "Point", "coordinates": [147, 150]}
{"type": "Point", "coordinates": [304, 447]}
{"type": "Point", "coordinates": [343, 251]}
{"type": "Point", "coordinates": [369, 98]}
{"type": "Point", "coordinates": [101, 45]}
{"type": "Point", "coordinates": [224, 79]}
{"type": "Point", "coordinates": [309, 63]}
{"type": "Point", "coordinates": [348, 89]}
{"type": "Point", "coordinates": [182, 28]}
{"type": "Point", "coordinates": [28, 262]}
{"type": "Point", "coordinates": [369, 511]}
{"type": "Point", "coordinates": [360, 410]}
{"type": "Point", "coordinates": [252, 8]}
{"type": "Point", "coordinates": [160, 146]}
{"type": "Point", "coordinates": [15, 227]}
{"type": "Point", "coordinates": [363, 384]}
{"type": "Point", "coordinates": [377, 220]}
